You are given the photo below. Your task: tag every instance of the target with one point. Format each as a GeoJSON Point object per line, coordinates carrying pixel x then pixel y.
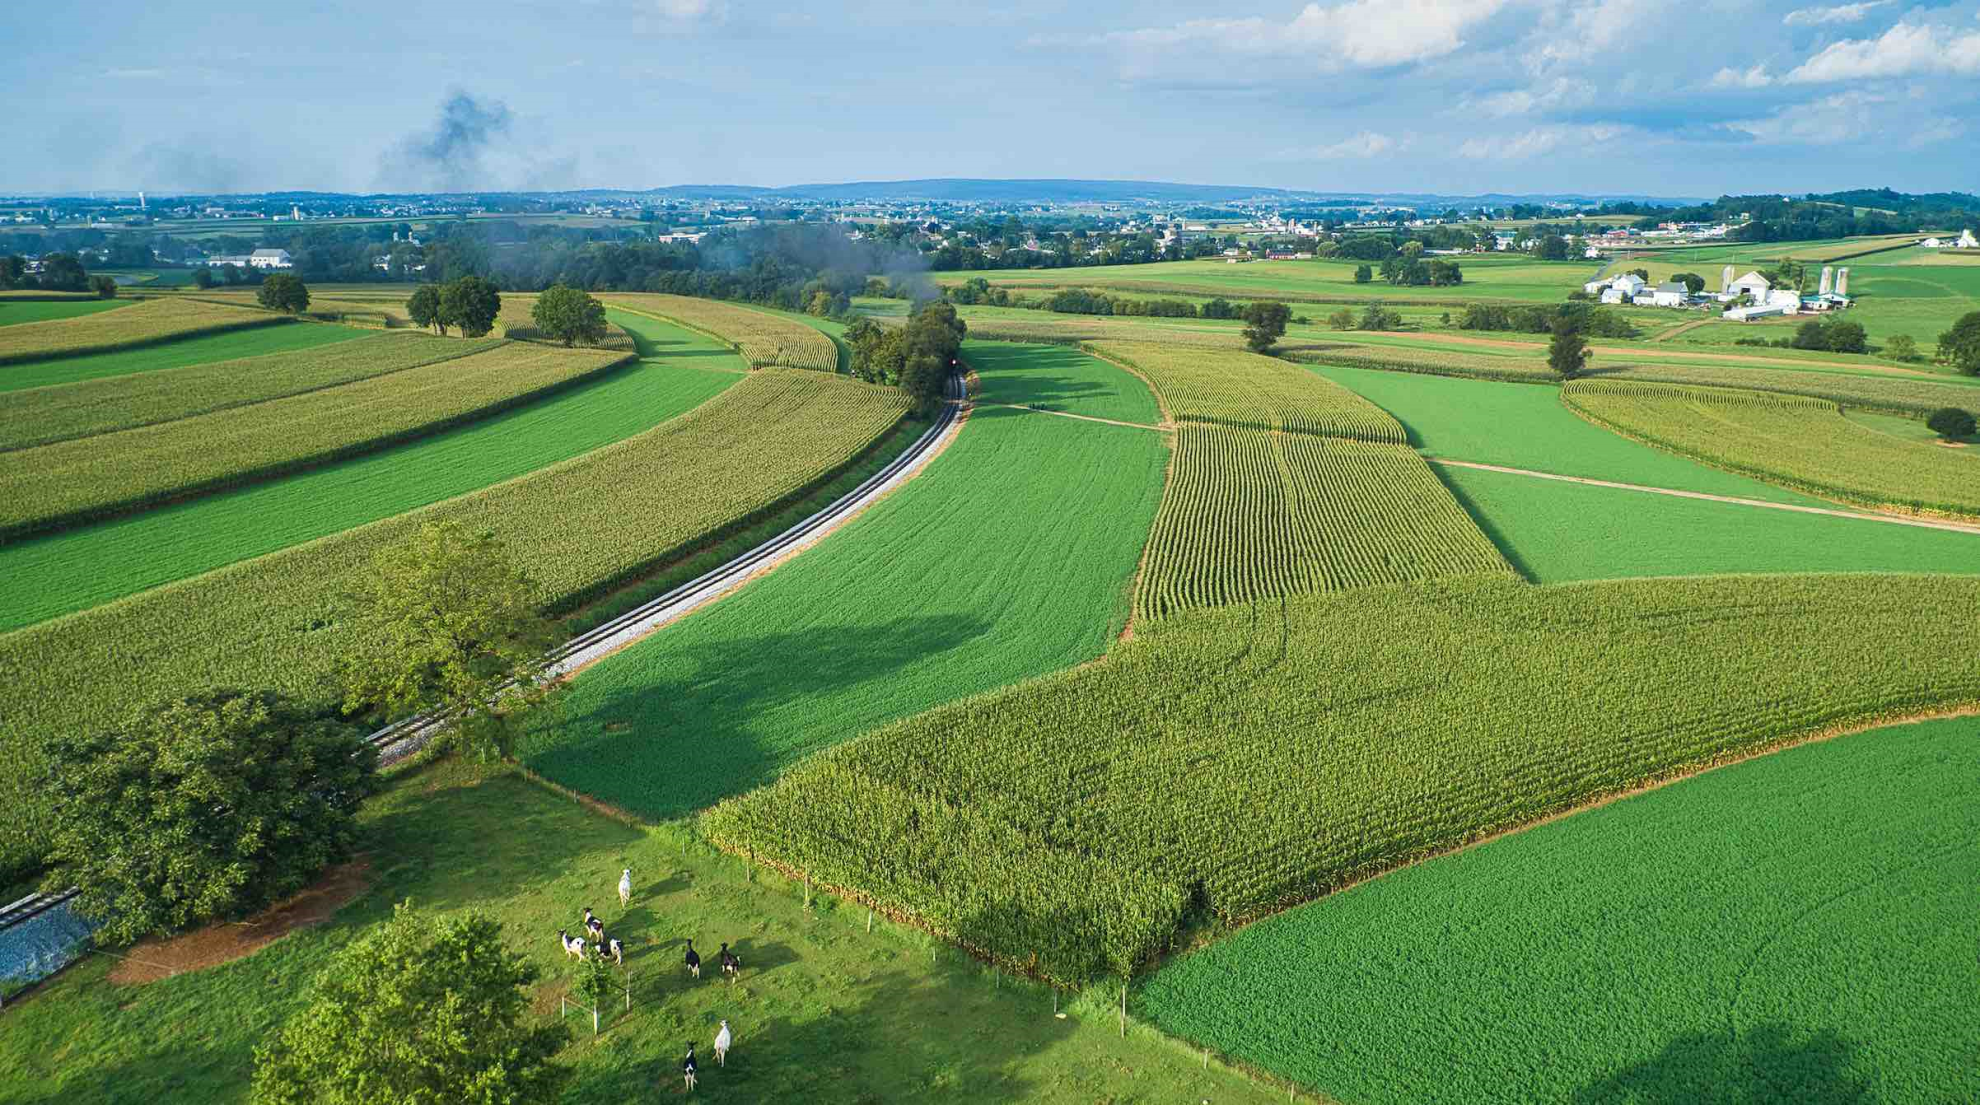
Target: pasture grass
{"type": "Point", "coordinates": [1556, 532]}
{"type": "Point", "coordinates": [824, 1012]}
{"type": "Point", "coordinates": [224, 346]}
{"type": "Point", "coordinates": [1486, 277]}
{"type": "Point", "coordinates": [1009, 556]}
{"type": "Point", "coordinates": [1059, 378]}
{"type": "Point", "coordinates": [29, 310]}
{"type": "Point", "coordinates": [1798, 928]}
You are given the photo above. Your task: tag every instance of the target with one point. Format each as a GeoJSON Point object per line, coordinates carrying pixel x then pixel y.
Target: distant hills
{"type": "Point", "coordinates": [1052, 190]}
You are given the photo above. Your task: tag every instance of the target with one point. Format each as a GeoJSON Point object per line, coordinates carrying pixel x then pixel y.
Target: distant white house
{"type": "Point", "coordinates": [1671, 293]}
{"type": "Point", "coordinates": [221, 261]}
{"type": "Point", "coordinates": [1623, 289]}
{"type": "Point", "coordinates": [1752, 284]}
{"type": "Point", "coordinates": [1966, 240]}
{"type": "Point", "coordinates": [270, 259]}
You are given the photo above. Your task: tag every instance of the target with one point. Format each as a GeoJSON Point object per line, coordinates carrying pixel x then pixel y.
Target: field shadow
{"type": "Point", "coordinates": [1499, 538]}
{"type": "Point", "coordinates": [686, 731]}
{"type": "Point", "coordinates": [1769, 1064]}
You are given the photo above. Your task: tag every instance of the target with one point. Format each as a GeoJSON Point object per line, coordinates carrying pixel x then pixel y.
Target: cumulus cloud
{"type": "Point", "coordinates": [1841, 13]}
{"type": "Point", "coordinates": [1538, 141]}
{"type": "Point", "coordinates": [1851, 116]}
{"type": "Point", "coordinates": [1906, 50]}
{"type": "Point", "coordinates": [1756, 77]}
{"type": "Point", "coordinates": [688, 9]}
{"type": "Point", "coordinates": [1593, 30]}
{"type": "Point", "coordinates": [1369, 34]}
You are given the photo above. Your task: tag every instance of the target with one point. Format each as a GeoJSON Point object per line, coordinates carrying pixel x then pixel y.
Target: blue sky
{"type": "Point", "coordinates": [1454, 96]}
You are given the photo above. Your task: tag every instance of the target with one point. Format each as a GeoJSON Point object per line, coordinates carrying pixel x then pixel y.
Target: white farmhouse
{"type": "Point", "coordinates": [1671, 293]}
{"type": "Point", "coordinates": [1624, 289]}
{"type": "Point", "coordinates": [271, 259]}
{"type": "Point", "coordinates": [1752, 284]}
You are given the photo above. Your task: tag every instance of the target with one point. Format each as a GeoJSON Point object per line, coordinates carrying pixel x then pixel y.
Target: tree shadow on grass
{"type": "Point", "coordinates": [891, 1036]}
{"type": "Point", "coordinates": [675, 728]}
{"type": "Point", "coordinates": [1046, 377]}
{"type": "Point", "coordinates": [1769, 1064]}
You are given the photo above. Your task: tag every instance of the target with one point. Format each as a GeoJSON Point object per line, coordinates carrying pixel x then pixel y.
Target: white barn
{"type": "Point", "coordinates": [271, 259]}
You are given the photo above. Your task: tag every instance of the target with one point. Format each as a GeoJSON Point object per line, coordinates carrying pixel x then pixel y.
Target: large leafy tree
{"type": "Point", "coordinates": [1567, 350]}
{"type": "Point", "coordinates": [1951, 423]}
{"type": "Point", "coordinates": [206, 807]}
{"type": "Point", "coordinates": [424, 308]}
{"type": "Point", "coordinates": [569, 315]}
{"type": "Point", "coordinates": [418, 1011]}
{"type": "Point", "coordinates": [63, 272]}
{"type": "Point", "coordinates": [1960, 346]}
{"type": "Point", "coordinates": [447, 621]}
{"type": "Point", "coordinates": [281, 291]}
{"type": "Point", "coordinates": [471, 303]}
{"type": "Point", "coordinates": [1265, 323]}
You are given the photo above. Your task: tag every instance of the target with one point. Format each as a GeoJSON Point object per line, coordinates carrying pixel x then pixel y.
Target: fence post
{"type": "Point", "coordinates": [560, 1007]}
{"type": "Point", "coordinates": [1123, 1010]}
{"type": "Point", "coordinates": [594, 1022]}
{"type": "Point", "coordinates": [628, 997]}
{"type": "Point", "coordinates": [869, 919]}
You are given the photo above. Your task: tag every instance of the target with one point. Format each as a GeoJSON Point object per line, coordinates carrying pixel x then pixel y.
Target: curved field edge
{"type": "Point", "coordinates": [141, 325]}
{"type": "Point", "coordinates": [1817, 893]}
{"type": "Point", "coordinates": [877, 623]}
{"type": "Point", "coordinates": [113, 475]}
{"type": "Point", "coordinates": [1609, 406]}
{"type": "Point", "coordinates": [61, 412]}
{"type": "Point", "coordinates": [1232, 763]}
{"type": "Point", "coordinates": [62, 573]}
{"type": "Point", "coordinates": [280, 621]}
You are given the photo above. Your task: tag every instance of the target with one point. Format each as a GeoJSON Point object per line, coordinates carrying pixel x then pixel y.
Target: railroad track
{"type": "Point", "coordinates": [401, 739]}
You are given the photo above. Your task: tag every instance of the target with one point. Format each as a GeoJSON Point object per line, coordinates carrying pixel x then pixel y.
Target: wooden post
{"type": "Point", "coordinates": [807, 891]}
{"type": "Point", "coordinates": [628, 997]}
{"type": "Point", "coordinates": [1206, 1058]}
{"type": "Point", "coordinates": [869, 919]}
{"type": "Point", "coordinates": [594, 1022]}
{"type": "Point", "coordinates": [560, 1007]}
{"type": "Point", "coordinates": [1123, 1010]}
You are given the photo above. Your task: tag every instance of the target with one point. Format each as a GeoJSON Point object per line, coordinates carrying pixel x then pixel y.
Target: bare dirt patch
{"type": "Point", "coordinates": [151, 960]}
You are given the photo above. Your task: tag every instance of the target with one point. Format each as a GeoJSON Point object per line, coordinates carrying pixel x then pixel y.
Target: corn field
{"type": "Point", "coordinates": [581, 527]}
{"type": "Point", "coordinates": [62, 484]}
{"type": "Point", "coordinates": [1236, 388]}
{"type": "Point", "coordinates": [1249, 515]}
{"type": "Point", "coordinates": [1239, 760]}
{"type": "Point", "coordinates": [146, 323]}
{"type": "Point", "coordinates": [1796, 441]}
{"type": "Point", "coordinates": [763, 339]}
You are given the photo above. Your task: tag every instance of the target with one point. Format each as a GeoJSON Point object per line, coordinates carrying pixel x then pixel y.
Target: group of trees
{"type": "Point", "coordinates": [281, 291]}
{"type": "Point", "coordinates": [1374, 316]}
{"type": "Point", "coordinates": [918, 357]}
{"type": "Point", "coordinates": [60, 272]}
{"type": "Point", "coordinates": [1586, 317]}
{"type": "Point", "coordinates": [1833, 335]}
{"type": "Point", "coordinates": [1960, 346]}
{"type": "Point", "coordinates": [470, 303]}
{"type": "Point", "coordinates": [219, 803]}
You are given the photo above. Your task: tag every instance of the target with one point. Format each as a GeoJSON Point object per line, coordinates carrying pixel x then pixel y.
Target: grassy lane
{"type": "Point", "coordinates": [225, 346]}
{"type": "Point", "coordinates": [1798, 928]}
{"type": "Point", "coordinates": [1059, 378]}
{"type": "Point", "coordinates": [1557, 532]}
{"type": "Point", "coordinates": [79, 569]}
{"type": "Point", "coordinates": [825, 1012]}
{"type": "Point", "coordinates": [47, 310]}
{"type": "Point", "coordinates": [1011, 556]}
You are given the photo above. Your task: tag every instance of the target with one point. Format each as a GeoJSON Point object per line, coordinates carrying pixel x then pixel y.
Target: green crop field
{"type": "Point", "coordinates": [1485, 278]}
{"type": "Point", "coordinates": [1251, 758]}
{"type": "Point", "coordinates": [825, 1012]}
{"type": "Point", "coordinates": [1526, 426]}
{"type": "Point", "coordinates": [1056, 378]}
{"type": "Point", "coordinates": [761, 337]}
{"type": "Point", "coordinates": [1557, 532]}
{"type": "Point", "coordinates": [27, 310]}
{"type": "Point", "coordinates": [58, 485]}
{"type": "Point", "coordinates": [39, 416]}
{"type": "Point", "coordinates": [1798, 928]}
{"type": "Point", "coordinates": [1251, 515]}
{"type": "Point", "coordinates": [65, 572]}
{"type": "Point", "coordinates": [227, 345]}
{"type": "Point", "coordinates": [1252, 391]}
{"type": "Point", "coordinates": [152, 322]}
{"type": "Point", "coordinates": [927, 597]}
{"type": "Point", "coordinates": [583, 526]}
{"type": "Point", "coordinates": [1798, 442]}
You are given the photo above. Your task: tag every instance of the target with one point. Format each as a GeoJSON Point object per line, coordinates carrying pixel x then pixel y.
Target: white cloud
{"type": "Point", "coordinates": [689, 9]}
{"type": "Point", "coordinates": [1841, 13]}
{"type": "Point", "coordinates": [1908, 49]}
{"type": "Point", "coordinates": [1756, 77]}
{"type": "Point", "coordinates": [1594, 29]}
{"type": "Point", "coordinates": [1538, 141]}
{"type": "Point", "coordinates": [1364, 145]}
{"type": "Point", "coordinates": [1851, 116]}
{"type": "Point", "coordinates": [1541, 97]}
{"type": "Point", "coordinates": [1360, 33]}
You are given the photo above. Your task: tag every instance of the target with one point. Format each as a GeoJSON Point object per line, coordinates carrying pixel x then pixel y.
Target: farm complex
{"type": "Point", "coordinates": [1050, 641]}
